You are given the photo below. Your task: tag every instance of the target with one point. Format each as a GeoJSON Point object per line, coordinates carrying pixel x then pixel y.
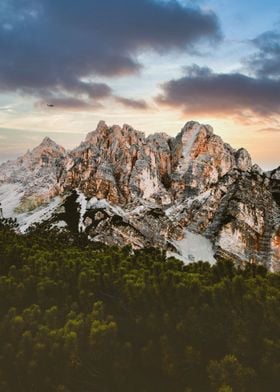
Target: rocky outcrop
{"type": "Point", "coordinates": [274, 177]}
{"type": "Point", "coordinates": [159, 191]}
{"type": "Point", "coordinates": [119, 164]}
{"type": "Point", "coordinates": [35, 175]}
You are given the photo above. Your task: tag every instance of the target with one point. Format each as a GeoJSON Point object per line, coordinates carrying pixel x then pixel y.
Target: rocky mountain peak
{"type": "Point", "coordinates": [48, 144]}
{"type": "Point", "coordinates": [103, 133]}
{"type": "Point", "coordinates": [187, 194]}
{"type": "Point", "coordinates": [100, 130]}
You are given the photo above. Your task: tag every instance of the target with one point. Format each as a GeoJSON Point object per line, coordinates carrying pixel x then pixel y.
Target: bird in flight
{"type": "Point", "coordinates": [50, 105]}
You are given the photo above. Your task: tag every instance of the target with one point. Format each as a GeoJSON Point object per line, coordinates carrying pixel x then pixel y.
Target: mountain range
{"type": "Point", "coordinates": [192, 195]}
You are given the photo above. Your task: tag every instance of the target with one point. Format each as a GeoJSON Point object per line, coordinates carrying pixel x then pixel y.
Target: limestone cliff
{"type": "Point", "coordinates": [193, 195]}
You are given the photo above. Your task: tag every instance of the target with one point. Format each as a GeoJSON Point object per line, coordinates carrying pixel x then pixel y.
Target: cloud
{"type": "Point", "coordinates": [269, 130]}
{"type": "Point", "coordinates": [67, 103]}
{"type": "Point", "coordinates": [6, 108]}
{"type": "Point", "coordinates": [59, 46]}
{"type": "Point", "coordinates": [139, 104]}
{"type": "Point", "coordinates": [201, 91]}
{"type": "Point", "coordinates": [87, 96]}
{"type": "Point", "coordinates": [266, 61]}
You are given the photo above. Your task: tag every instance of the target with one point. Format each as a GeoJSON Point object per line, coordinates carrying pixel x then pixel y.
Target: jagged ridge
{"type": "Point", "coordinates": [154, 191]}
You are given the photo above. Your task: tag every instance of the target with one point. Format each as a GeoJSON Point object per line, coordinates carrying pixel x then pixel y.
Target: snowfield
{"type": "Point", "coordinates": [193, 248]}
{"type": "Point", "coordinates": [10, 197]}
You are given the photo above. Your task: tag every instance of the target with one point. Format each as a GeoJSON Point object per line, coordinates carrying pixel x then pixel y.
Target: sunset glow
{"type": "Point", "coordinates": [152, 64]}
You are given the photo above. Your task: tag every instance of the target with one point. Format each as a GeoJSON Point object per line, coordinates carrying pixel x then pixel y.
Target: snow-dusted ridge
{"type": "Point", "coordinates": [10, 198]}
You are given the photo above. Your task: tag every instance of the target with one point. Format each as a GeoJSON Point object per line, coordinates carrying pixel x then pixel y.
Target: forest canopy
{"type": "Point", "coordinates": [80, 316]}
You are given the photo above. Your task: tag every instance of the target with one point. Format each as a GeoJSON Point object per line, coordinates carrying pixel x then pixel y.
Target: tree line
{"type": "Point", "coordinates": [80, 316]}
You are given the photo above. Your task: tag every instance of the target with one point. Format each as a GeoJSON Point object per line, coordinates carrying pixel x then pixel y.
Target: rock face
{"type": "Point", "coordinates": [193, 195]}
{"type": "Point", "coordinates": [35, 175]}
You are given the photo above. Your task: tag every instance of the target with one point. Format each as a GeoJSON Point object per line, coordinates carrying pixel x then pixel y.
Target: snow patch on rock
{"type": "Point", "coordinates": [10, 196]}
{"type": "Point", "coordinates": [40, 214]}
{"type": "Point", "coordinates": [60, 225]}
{"type": "Point", "coordinates": [95, 203]}
{"type": "Point", "coordinates": [83, 207]}
{"type": "Point", "coordinates": [192, 248]}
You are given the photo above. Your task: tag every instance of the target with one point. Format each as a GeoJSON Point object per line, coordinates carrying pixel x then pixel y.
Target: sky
{"type": "Point", "coordinates": [154, 64]}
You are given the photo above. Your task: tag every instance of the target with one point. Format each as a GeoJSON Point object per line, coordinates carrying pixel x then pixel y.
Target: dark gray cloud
{"type": "Point", "coordinates": [67, 103]}
{"type": "Point", "coordinates": [201, 91]}
{"type": "Point", "coordinates": [266, 61]}
{"type": "Point", "coordinates": [87, 96]}
{"type": "Point", "coordinates": [56, 46]}
{"type": "Point", "coordinates": [139, 104]}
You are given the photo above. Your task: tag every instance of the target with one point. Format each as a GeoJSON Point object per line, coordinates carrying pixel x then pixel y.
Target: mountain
{"type": "Point", "coordinates": [192, 195]}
